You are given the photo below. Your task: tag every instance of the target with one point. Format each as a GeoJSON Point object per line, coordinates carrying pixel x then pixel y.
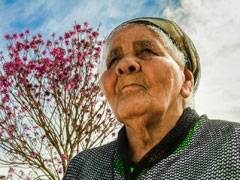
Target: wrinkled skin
{"type": "Point", "coordinates": [144, 86]}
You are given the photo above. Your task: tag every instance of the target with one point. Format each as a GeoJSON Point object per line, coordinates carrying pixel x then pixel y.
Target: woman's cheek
{"type": "Point", "coordinates": [108, 82]}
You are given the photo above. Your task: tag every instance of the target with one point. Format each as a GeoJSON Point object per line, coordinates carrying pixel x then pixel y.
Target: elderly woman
{"type": "Point", "coordinates": [152, 72]}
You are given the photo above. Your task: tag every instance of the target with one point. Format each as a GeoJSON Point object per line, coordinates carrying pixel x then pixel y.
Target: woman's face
{"type": "Point", "coordinates": [142, 78]}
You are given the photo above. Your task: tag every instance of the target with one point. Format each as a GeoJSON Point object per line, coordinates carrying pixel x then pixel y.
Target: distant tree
{"type": "Point", "coordinates": [51, 106]}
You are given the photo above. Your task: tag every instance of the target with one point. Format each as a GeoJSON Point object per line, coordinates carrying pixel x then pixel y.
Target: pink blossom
{"type": "Point", "coordinates": [10, 48]}
{"type": "Point", "coordinates": [1, 132]}
{"type": "Point", "coordinates": [44, 52]}
{"type": "Point", "coordinates": [35, 127]}
{"type": "Point", "coordinates": [77, 27]}
{"type": "Point", "coordinates": [67, 35]}
{"type": "Point", "coordinates": [8, 109]}
{"type": "Point", "coordinates": [98, 49]}
{"type": "Point", "coordinates": [39, 35]}
{"type": "Point", "coordinates": [53, 35]}
{"type": "Point", "coordinates": [95, 34]}
{"type": "Point", "coordinates": [19, 94]}
{"type": "Point", "coordinates": [72, 84]}
{"type": "Point", "coordinates": [26, 47]}
{"type": "Point", "coordinates": [33, 154]}
{"type": "Point", "coordinates": [67, 42]}
{"type": "Point", "coordinates": [72, 33]}
{"type": "Point", "coordinates": [93, 103]}
{"type": "Point", "coordinates": [32, 66]}
{"type": "Point", "coordinates": [86, 24]}
{"type": "Point", "coordinates": [33, 44]}
{"type": "Point", "coordinates": [90, 37]}
{"type": "Point", "coordinates": [61, 38]}
{"type": "Point", "coordinates": [80, 78]}
{"type": "Point", "coordinates": [91, 65]}
{"type": "Point", "coordinates": [26, 128]}
{"type": "Point", "coordinates": [15, 35]}
{"type": "Point", "coordinates": [83, 91]}
{"type": "Point", "coordinates": [60, 170]}
{"type": "Point", "coordinates": [4, 83]}
{"type": "Point", "coordinates": [34, 37]}
{"type": "Point", "coordinates": [21, 35]}
{"type": "Point", "coordinates": [63, 156]}
{"type": "Point", "coordinates": [19, 46]}
{"type": "Point", "coordinates": [18, 63]}
{"type": "Point", "coordinates": [6, 99]}
{"type": "Point", "coordinates": [85, 53]}
{"type": "Point", "coordinates": [2, 58]}
{"type": "Point", "coordinates": [80, 62]}
{"type": "Point", "coordinates": [49, 43]}
{"type": "Point", "coordinates": [68, 87]}
{"type": "Point", "coordinates": [55, 52]}
{"type": "Point", "coordinates": [94, 90]}
{"type": "Point", "coordinates": [7, 36]}
{"type": "Point", "coordinates": [56, 42]}
{"type": "Point", "coordinates": [24, 58]}
{"type": "Point", "coordinates": [11, 170]}
{"type": "Point", "coordinates": [27, 31]}
{"type": "Point", "coordinates": [9, 69]}
{"type": "Point", "coordinates": [62, 77]}
{"type": "Point", "coordinates": [22, 81]}
{"type": "Point", "coordinates": [25, 108]}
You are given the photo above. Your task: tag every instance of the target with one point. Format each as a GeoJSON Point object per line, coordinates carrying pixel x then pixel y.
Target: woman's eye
{"type": "Point", "coordinates": [146, 51]}
{"type": "Point", "coordinates": [114, 60]}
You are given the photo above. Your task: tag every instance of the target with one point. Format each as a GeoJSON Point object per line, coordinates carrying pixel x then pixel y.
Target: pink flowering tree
{"type": "Point", "coordinates": [51, 106]}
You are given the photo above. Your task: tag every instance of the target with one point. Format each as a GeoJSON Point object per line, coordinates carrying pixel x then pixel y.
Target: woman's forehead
{"type": "Point", "coordinates": [132, 32]}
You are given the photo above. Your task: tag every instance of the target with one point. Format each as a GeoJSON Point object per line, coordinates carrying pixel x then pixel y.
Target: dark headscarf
{"type": "Point", "coordinates": [178, 37]}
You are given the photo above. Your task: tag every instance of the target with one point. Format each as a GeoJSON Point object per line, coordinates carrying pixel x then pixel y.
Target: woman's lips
{"type": "Point", "coordinates": [132, 87]}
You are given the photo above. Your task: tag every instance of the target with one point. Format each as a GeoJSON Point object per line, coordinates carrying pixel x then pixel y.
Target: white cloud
{"type": "Point", "coordinates": [214, 28]}
{"type": "Point", "coordinates": [107, 12]}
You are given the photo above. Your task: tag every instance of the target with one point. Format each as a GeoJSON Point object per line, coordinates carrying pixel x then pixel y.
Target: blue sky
{"type": "Point", "coordinates": [213, 25]}
{"type": "Point", "coordinates": [35, 15]}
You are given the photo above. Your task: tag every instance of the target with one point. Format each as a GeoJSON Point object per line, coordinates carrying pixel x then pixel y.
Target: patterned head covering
{"type": "Point", "coordinates": [178, 37]}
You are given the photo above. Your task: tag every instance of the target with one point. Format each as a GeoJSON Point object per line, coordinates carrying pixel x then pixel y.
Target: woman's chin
{"type": "Point", "coordinates": [132, 108]}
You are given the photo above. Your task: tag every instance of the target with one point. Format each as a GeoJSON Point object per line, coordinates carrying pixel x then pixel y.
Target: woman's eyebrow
{"type": "Point", "coordinates": [137, 44]}
{"type": "Point", "coordinates": [145, 44]}
{"type": "Point", "coordinates": [115, 51]}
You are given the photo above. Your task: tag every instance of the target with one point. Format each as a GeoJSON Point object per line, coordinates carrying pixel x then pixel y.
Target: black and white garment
{"type": "Point", "coordinates": [196, 148]}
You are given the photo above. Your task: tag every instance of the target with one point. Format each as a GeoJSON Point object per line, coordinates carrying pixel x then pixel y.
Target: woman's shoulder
{"type": "Point", "coordinates": [91, 160]}
{"type": "Point", "coordinates": [219, 129]}
{"type": "Point", "coordinates": [104, 150]}
{"type": "Point", "coordinates": [222, 125]}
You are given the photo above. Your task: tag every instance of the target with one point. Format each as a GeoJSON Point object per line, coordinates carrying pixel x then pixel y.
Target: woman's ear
{"type": "Point", "coordinates": [188, 84]}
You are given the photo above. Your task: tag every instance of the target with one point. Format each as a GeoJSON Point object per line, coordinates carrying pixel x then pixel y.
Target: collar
{"type": "Point", "coordinates": [160, 151]}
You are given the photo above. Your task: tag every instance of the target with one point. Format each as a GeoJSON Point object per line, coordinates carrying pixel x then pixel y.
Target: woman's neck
{"type": "Point", "coordinates": [143, 136]}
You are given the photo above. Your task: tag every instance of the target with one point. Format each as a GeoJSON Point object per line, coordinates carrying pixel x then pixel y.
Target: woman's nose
{"type": "Point", "coordinates": [127, 66]}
